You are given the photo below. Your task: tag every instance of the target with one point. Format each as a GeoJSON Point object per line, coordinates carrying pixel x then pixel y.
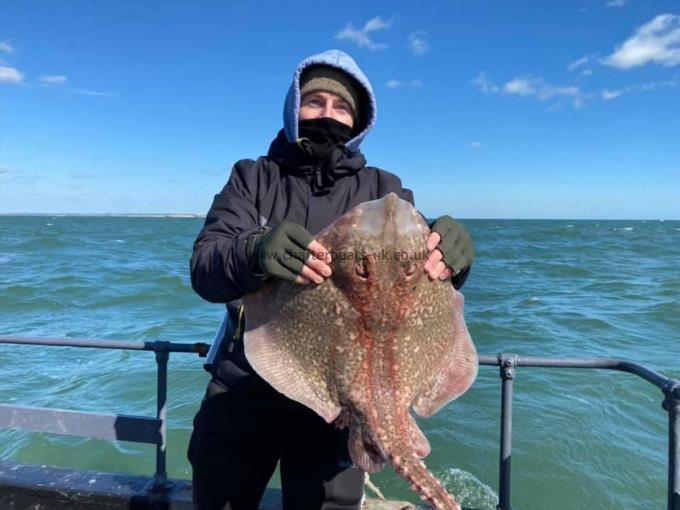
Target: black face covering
{"type": "Point", "coordinates": [324, 134]}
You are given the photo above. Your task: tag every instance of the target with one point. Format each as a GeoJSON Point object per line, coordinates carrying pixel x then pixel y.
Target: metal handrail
{"type": "Point", "coordinates": [101, 425]}
{"type": "Point", "coordinates": [507, 362]}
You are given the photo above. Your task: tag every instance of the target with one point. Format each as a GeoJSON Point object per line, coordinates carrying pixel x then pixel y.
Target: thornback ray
{"type": "Point", "coordinates": [373, 341]}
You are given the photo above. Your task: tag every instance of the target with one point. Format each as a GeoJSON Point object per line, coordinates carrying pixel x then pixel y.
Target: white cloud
{"type": "Point", "coordinates": [475, 145]}
{"type": "Point", "coordinates": [361, 37]}
{"type": "Point", "coordinates": [485, 84]}
{"type": "Point", "coordinates": [532, 86]}
{"type": "Point", "coordinates": [660, 85]}
{"type": "Point", "coordinates": [657, 41]}
{"type": "Point", "coordinates": [377, 23]}
{"type": "Point", "coordinates": [10, 75]}
{"type": "Point", "coordinates": [519, 86]}
{"type": "Point", "coordinates": [54, 79]}
{"type": "Point", "coordinates": [581, 62]}
{"type": "Point", "coordinates": [418, 43]}
{"type": "Point", "coordinates": [87, 92]}
{"type": "Point", "coordinates": [577, 63]}
{"type": "Point", "coordinates": [616, 3]}
{"type": "Point", "coordinates": [587, 72]}
{"type": "Point", "coordinates": [6, 48]}
{"type": "Point", "coordinates": [608, 95]}
{"type": "Point", "coordinates": [548, 91]}
{"type": "Point", "coordinates": [395, 84]}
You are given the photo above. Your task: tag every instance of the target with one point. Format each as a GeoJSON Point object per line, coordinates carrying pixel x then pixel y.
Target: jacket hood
{"type": "Point", "coordinates": [339, 60]}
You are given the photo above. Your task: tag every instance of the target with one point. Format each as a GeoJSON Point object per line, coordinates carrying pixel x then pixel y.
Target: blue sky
{"type": "Point", "coordinates": [486, 108]}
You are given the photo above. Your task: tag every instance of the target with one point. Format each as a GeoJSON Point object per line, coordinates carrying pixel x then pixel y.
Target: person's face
{"type": "Point", "coordinates": [318, 104]}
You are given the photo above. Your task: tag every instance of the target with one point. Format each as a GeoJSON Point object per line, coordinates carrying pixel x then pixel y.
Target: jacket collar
{"type": "Point", "coordinates": [320, 174]}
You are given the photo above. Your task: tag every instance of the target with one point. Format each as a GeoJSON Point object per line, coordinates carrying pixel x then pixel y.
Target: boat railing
{"type": "Point", "coordinates": [509, 364]}
{"type": "Point", "coordinates": [121, 427]}
{"type": "Point", "coordinates": [152, 430]}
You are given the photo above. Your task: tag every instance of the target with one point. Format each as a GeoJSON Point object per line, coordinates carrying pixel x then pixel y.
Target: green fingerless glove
{"type": "Point", "coordinates": [456, 244]}
{"type": "Point", "coordinates": [280, 251]}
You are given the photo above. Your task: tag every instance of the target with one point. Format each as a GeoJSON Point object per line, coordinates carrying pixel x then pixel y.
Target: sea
{"type": "Point", "coordinates": [582, 439]}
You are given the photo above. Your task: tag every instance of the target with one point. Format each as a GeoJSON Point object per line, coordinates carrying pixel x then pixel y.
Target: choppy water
{"type": "Point", "coordinates": [582, 439]}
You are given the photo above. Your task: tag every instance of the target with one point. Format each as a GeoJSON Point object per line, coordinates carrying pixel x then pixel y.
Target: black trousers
{"type": "Point", "coordinates": [241, 433]}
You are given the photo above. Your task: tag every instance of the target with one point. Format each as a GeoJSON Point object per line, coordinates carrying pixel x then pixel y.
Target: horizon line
{"type": "Point", "coordinates": [203, 215]}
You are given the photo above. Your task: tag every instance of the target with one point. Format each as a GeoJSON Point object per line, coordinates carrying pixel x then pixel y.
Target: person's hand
{"type": "Point", "coordinates": [450, 249]}
{"type": "Point", "coordinates": [289, 252]}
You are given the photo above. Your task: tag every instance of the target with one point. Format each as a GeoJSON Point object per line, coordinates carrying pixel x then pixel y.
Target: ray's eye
{"type": "Point", "coordinates": [361, 269]}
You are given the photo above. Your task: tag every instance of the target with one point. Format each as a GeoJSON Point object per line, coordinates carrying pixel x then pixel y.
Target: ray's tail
{"type": "Point", "coordinates": [414, 471]}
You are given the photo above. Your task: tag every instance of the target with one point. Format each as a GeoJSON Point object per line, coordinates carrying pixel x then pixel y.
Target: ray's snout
{"type": "Point", "coordinates": [391, 206]}
{"type": "Point", "coordinates": [388, 214]}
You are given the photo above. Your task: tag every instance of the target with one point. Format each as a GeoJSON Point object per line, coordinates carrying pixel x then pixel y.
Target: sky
{"type": "Point", "coordinates": [486, 109]}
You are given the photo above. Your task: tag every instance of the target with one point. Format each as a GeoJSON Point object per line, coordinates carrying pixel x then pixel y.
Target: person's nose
{"type": "Point", "coordinates": [327, 110]}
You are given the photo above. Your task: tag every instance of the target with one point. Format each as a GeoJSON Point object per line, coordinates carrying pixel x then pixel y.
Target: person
{"type": "Point", "coordinates": [261, 226]}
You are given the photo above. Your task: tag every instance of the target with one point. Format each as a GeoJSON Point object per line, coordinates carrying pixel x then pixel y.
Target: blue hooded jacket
{"type": "Point", "coordinates": [339, 60]}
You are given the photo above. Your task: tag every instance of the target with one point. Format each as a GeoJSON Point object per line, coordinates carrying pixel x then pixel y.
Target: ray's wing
{"type": "Point", "coordinates": [456, 369]}
{"type": "Point", "coordinates": [294, 336]}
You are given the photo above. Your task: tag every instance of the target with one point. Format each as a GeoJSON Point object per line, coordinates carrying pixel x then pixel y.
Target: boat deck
{"type": "Point", "coordinates": [28, 487]}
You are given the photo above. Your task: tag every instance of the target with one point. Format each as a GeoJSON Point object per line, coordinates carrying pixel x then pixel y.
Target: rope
{"type": "Point", "coordinates": [373, 488]}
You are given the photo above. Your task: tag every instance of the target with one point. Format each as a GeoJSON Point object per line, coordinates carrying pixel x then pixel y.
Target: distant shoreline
{"type": "Point", "coordinates": [109, 215]}
{"type": "Point", "coordinates": [202, 216]}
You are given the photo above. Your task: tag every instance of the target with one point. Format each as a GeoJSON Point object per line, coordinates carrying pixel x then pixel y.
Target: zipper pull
{"type": "Point", "coordinates": [305, 145]}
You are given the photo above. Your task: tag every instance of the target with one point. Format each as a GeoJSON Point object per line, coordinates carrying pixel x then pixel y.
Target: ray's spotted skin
{"type": "Point", "coordinates": [375, 340]}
